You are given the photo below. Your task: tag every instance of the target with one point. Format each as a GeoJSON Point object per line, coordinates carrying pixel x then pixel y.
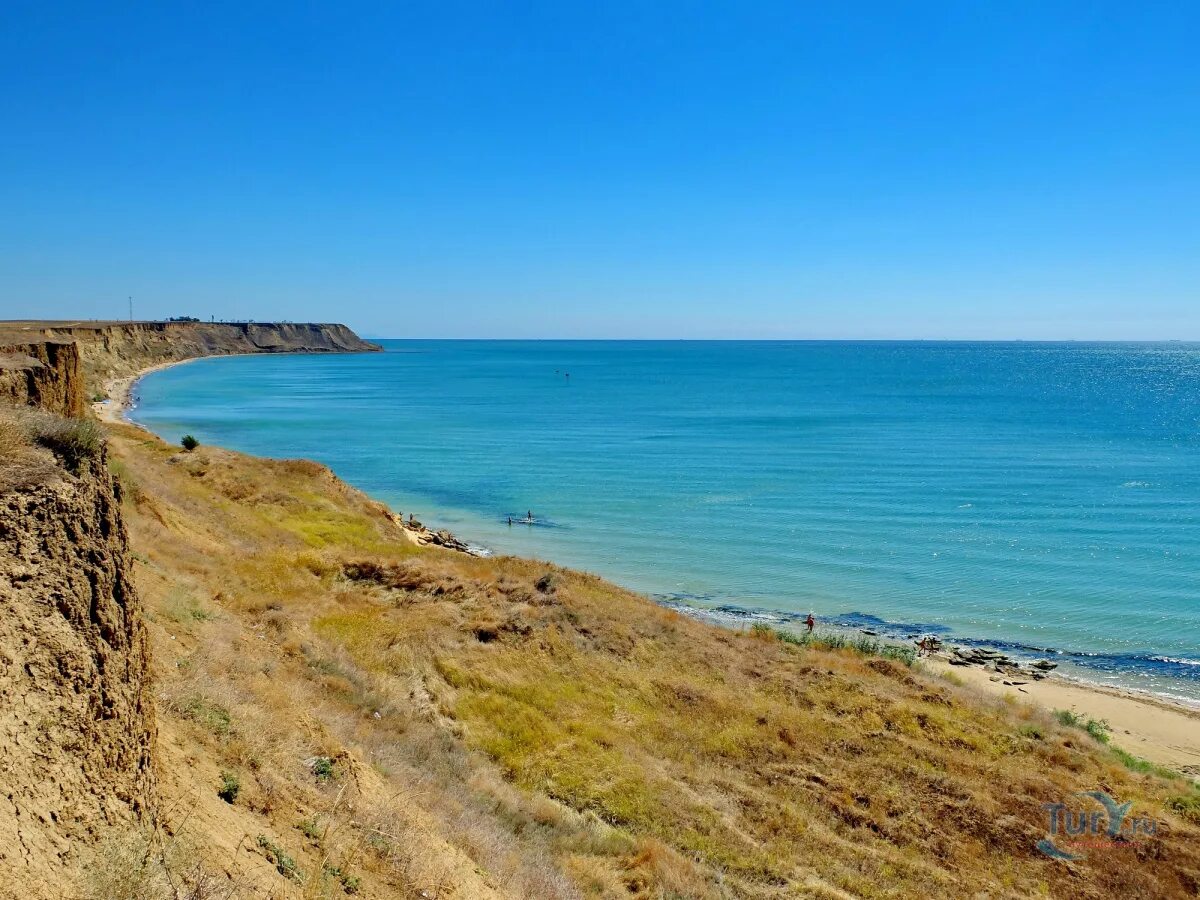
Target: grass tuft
{"type": "Point", "coordinates": [72, 440]}
{"type": "Point", "coordinates": [284, 864]}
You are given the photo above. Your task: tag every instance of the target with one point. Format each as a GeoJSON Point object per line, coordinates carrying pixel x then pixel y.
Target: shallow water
{"type": "Point", "coordinates": [1028, 495]}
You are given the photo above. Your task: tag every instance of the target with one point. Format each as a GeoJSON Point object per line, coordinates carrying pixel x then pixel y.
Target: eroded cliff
{"type": "Point", "coordinates": [115, 349]}
{"type": "Point", "coordinates": [76, 725]}
{"type": "Point", "coordinates": [44, 374]}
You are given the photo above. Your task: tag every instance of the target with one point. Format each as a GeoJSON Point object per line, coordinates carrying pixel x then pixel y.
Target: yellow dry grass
{"type": "Point", "coordinates": [491, 731]}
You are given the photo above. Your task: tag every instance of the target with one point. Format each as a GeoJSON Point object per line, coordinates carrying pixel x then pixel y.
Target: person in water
{"type": "Point", "coordinates": [810, 622]}
{"type": "Point", "coordinates": [510, 521]}
{"type": "Point", "coordinates": [529, 516]}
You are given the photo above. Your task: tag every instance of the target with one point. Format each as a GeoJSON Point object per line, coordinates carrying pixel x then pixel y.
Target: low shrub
{"type": "Point", "coordinates": [189, 443]}
{"type": "Point", "coordinates": [1098, 729]}
{"type": "Point", "coordinates": [323, 768]}
{"type": "Point", "coordinates": [230, 787]}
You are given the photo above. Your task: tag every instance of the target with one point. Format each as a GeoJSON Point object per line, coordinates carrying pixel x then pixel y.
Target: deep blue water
{"type": "Point", "coordinates": [1028, 495]}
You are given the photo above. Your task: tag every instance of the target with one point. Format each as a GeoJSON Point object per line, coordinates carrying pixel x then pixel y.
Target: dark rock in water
{"type": "Point", "coordinates": [1045, 665]}
{"type": "Point", "coordinates": [871, 633]}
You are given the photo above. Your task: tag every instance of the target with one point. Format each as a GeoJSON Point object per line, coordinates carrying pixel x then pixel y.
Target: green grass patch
{"type": "Point", "coordinates": [208, 714]}
{"type": "Point", "coordinates": [863, 645]}
{"type": "Point", "coordinates": [1143, 766]}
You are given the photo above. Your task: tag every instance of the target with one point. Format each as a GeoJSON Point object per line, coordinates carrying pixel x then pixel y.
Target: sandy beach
{"type": "Point", "coordinates": [1158, 730]}
{"type": "Point", "coordinates": [120, 392]}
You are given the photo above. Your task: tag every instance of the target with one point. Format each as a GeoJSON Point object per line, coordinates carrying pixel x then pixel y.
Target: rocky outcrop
{"type": "Point", "coordinates": [76, 725]}
{"type": "Point", "coordinates": [114, 349]}
{"type": "Point", "coordinates": [44, 374]}
{"type": "Point", "coordinates": [1001, 664]}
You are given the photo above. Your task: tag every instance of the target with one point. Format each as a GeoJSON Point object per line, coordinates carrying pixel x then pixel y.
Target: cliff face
{"type": "Point", "coordinates": [76, 725]}
{"type": "Point", "coordinates": [46, 375]}
{"type": "Point", "coordinates": [114, 349]}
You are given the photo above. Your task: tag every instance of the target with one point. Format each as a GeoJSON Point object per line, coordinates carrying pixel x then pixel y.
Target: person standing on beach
{"type": "Point", "coordinates": [810, 622]}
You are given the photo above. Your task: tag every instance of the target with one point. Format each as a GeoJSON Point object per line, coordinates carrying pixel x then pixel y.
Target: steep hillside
{"type": "Point", "coordinates": [115, 349]}
{"type": "Point", "coordinates": [417, 722]}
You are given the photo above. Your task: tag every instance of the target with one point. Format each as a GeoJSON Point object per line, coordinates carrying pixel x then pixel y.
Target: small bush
{"type": "Point", "coordinates": [1067, 718]}
{"type": "Point", "coordinates": [1031, 731]}
{"type": "Point", "coordinates": [323, 768]}
{"type": "Point", "coordinates": [230, 787]}
{"type": "Point", "coordinates": [548, 583]}
{"type": "Point", "coordinates": [189, 443]}
{"type": "Point", "coordinates": [1098, 729]}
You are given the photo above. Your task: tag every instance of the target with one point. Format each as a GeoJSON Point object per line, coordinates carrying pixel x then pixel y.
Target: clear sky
{"type": "Point", "coordinates": [640, 169]}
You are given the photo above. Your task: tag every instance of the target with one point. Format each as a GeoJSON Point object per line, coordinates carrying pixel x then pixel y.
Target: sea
{"type": "Point", "coordinates": [1038, 498]}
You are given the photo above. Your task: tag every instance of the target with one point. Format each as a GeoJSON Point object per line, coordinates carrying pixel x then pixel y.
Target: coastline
{"type": "Point", "coordinates": [1159, 729]}
{"type": "Point", "coordinates": [120, 391]}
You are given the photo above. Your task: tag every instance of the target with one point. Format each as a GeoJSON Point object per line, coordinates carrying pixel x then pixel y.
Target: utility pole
{"type": "Point", "coordinates": [130, 309]}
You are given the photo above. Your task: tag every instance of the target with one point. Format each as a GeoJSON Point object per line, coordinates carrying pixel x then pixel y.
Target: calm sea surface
{"type": "Point", "coordinates": [1025, 495]}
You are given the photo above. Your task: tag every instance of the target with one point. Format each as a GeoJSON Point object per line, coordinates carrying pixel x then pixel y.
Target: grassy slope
{"type": "Point", "coordinates": [495, 730]}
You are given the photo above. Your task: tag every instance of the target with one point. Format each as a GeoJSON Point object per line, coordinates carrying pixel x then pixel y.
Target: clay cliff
{"type": "Point", "coordinates": [76, 728]}
{"type": "Point", "coordinates": [76, 725]}
{"type": "Point", "coordinates": [114, 349]}
{"type": "Point", "coordinates": [46, 375]}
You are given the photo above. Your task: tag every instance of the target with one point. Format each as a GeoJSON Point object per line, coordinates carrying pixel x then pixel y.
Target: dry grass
{"type": "Point", "coordinates": [30, 439]}
{"type": "Point", "coordinates": [502, 727]}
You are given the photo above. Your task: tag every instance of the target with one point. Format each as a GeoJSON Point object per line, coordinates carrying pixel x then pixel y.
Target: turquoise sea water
{"type": "Point", "coordinates": [1030, 496]}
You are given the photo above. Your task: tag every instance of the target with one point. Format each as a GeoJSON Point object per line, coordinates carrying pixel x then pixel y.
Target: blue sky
{"type": "Point", "coordinates": [786, 170]}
